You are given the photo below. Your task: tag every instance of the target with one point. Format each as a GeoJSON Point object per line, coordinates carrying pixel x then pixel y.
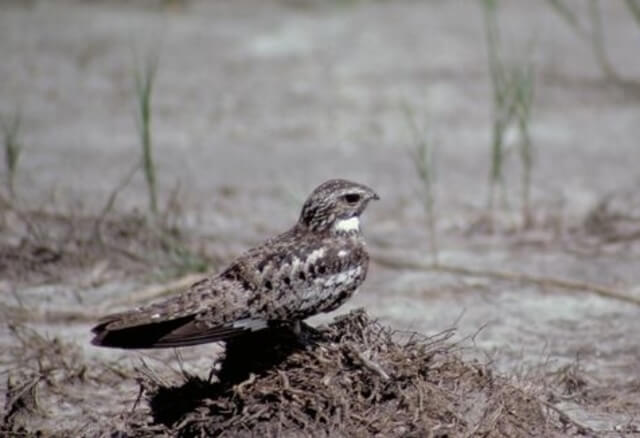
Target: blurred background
{"type": "Point", "coordinates": [148, 140]}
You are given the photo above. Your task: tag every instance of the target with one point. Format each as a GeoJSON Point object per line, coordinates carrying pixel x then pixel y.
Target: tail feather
{"type": "Point", "coordinates": [178, 332]}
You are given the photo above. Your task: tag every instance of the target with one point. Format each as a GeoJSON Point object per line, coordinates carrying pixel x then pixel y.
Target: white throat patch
{"type": "Point", "coordinates": [351, 224]}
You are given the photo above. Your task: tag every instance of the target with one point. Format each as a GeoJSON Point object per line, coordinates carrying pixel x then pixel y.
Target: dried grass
{"type": "Point", "coordinates": [357, 378]}
{"type": "Point", "coordinates": [40, 246]}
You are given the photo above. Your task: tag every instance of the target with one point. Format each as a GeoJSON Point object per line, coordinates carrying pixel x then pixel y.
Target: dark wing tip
{"type": "Point", "coordinates": [140, 336]}
{"type": "Point", "coordinates": [178, 332]}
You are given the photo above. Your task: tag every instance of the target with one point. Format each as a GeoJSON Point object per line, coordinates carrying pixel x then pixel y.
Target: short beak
{"type": "Point", "coordinates": [375, 196]}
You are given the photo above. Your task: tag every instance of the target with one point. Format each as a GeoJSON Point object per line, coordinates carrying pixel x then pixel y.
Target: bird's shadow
{"type": "Point", "coordinates": [245, 355]}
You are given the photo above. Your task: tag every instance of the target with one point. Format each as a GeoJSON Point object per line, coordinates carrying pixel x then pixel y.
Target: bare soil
{"type": "Point", "coordinates": [257, 102]}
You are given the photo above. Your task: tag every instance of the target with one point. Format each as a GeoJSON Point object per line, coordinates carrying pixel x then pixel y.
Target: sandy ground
{"type": "Point", "coordinates": [258, 102]}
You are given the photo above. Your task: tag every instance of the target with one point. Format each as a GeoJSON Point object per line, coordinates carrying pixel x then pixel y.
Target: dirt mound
{"type": "Point", "coordinates": [356, 378]}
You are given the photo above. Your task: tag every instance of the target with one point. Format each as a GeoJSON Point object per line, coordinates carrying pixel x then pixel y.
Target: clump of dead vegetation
{"type": "Point", "coordinates": [352, 378]}
{"type": "Point", "coordinates": [37, 362]}
{"type": "Point", "coordinates": [39, 246]}
{"type": "Point", "coordinates": [616, 218]}
{"type": "Point", "coordinates": [50, 389]}
{"type": "Point", "coordinates": [356, 378]}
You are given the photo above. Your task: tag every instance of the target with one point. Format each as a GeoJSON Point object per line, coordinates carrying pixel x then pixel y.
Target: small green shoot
{"type": "Point", "coordinates": [145, 76]}
{"type": "Point", "coordinates": [594, 36]}
{"type": "Point", "coordinates": [422, 155]}
{"type": "Point", "coordinates": [634, 8]}
{"type": "Point", "coordinates": [12, 148]}
{"type": "Point", "coordinates": [512, 87]}
{"type": "Point", "coordinates": [501, 107]}
{"type": "Point", "coordinates": [524, 92]}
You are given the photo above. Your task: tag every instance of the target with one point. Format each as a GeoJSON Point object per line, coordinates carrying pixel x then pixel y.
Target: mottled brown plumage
{"type": "Point", "coordinates": [312, 268]}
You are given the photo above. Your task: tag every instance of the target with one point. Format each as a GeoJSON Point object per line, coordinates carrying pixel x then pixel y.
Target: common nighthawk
{"type": "Point", "coordinates": [312, 268]}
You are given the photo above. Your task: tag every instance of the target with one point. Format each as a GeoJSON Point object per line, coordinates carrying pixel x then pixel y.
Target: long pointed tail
{"type": "Point", "coordinates": [178, 332]}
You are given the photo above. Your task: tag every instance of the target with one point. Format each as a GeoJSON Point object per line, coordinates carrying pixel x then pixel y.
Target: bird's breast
{"type": "Point", "coordinates": [324, 279]}
{"type": "Point", "coordinates": [313, 275]}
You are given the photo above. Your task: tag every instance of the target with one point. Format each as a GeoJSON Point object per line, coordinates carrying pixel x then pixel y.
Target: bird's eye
{"type": "Point", "coordinates": [351, 198]}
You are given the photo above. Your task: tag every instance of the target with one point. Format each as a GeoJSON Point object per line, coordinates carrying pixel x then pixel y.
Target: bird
{"type": "Point", "coordinates": [312, 268]}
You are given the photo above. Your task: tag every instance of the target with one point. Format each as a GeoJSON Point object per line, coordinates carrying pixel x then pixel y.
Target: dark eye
{"type": "Point", "coordinates": [351, 198]}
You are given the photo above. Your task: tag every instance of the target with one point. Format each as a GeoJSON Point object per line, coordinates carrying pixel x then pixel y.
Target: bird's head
{"type": "Point", "coordinates": [336, 205]}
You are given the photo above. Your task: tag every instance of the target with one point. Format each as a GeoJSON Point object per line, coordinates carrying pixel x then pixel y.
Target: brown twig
{"type": "Point", "coordinates": [583, 429]}
{"type": "Point", "coordinates": [111, 200]}
{"type": "Point", "coordinates": [368, 363]}
{"type": "Point", "coordinates": [239, 388]}
{"type": "Point", "coordinates": [399, 262]}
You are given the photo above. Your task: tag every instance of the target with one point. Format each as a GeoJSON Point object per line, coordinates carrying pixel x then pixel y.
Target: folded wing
{"type": "Point", "coordinates": [179, 332]}
{"type": "Point", "coordinates": [209, 311]}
